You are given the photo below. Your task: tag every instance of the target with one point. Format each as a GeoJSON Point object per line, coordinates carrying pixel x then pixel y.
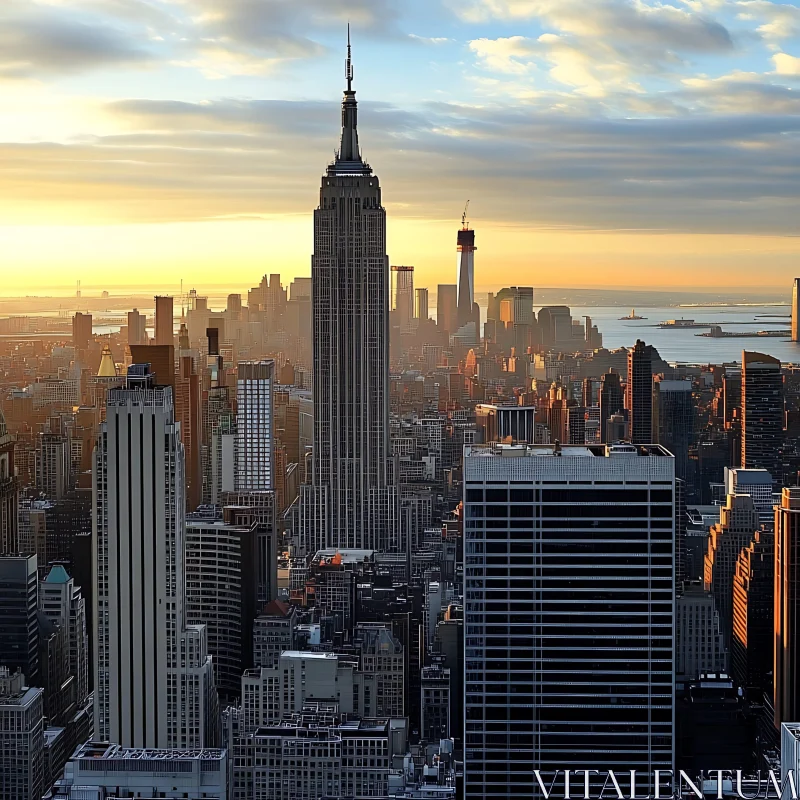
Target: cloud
{"type": "Point", "coordinates": [649, 26]}
{"type": "Point", "coordinates": [777, 20]}
{"type": "Point", "coordinates": [429, 39]}
{"type": "Point", "coordinates": [246, 37]}
{"type": "Point", "coordinates": [55, 45]}
{"type": "Point", "coordinates": [600, 47]}
{"type": "Point", "coordinates": [179, 161]}
{"type": "Point", "coordinates": [219, 38]}
{"type": "Point", "coordinates": [594, 68]}
{"type": "Point", "coordinates": [786, 64]}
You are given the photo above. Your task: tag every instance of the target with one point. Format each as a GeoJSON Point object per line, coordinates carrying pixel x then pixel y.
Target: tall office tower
{"type": "Point", "coordinates": [555, 325]}
{"type": "Point", "coordinates": [544, 661]}
{"type": "Point", "coordinates": [234, 304]}
{"type": "Point", "coordinates": [22, 764]}
{"type": "Point", "coordinates": [466, 273]}
{"type": "Point", "coordinates": [165, 321]}
{"type": "Point", "coordinates": [786, 670]}
{"type": "Point", "coordinates": [9, 492]}
{"type": "Point", "coordinates": [137, 327]}
{"type": "Point", "coordinates": [61, 601]}
{"type": "Point", "coordinates": [699, 645]}
{"type": "Point", "coordinates": [221, 581]}
{"type": "Point", "coordinates": [188, 412]}
{"type": "Point", "coordinates": [589, 394]}
{"type": "Point", "coordinates": [352, 504]}
{"type": "Point", "coordinates": [576, 423]}
{"type": "Point", "coordinates": [154, 682]}
{"type": "Point", "coordinates": [796, 310]}
{"type": "Point", "coordinates": [403, 294]}
{"type": "Point", "coordinates": [639, 393]}
{"type": "Point", "coordinates": [52, 465]}
{"type": "Point", "coordinates": [762, 413]}
{"type": "Point", "coordinates": [19, 629]}
{"type": "Point", "coordinates": [557, 415]}
{"type": "Point", "coordinates": [447, 307]}
{"type": "Point", "coordinates": [738, 523]}
{"type": "Point", "coordinates": [255, 434]}
{"type": "Point", "coordinates": [753, 605]}
{"type": "Point", "coordinates": [676, 415]}
{"type": "Point", "coordinates": [732, 397]}
{"type": "Point", "coordinates": [81, 330]}
{"type": "Point", "coordinates": [421, 304]}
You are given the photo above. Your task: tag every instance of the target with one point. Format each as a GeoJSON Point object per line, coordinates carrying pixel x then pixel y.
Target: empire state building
{"type": "Point", "coordinates": [350, 503]}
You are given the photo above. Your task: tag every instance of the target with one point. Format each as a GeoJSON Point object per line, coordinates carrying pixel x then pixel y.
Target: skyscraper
{"type": "Point", "coordinates": [350, 273]}
{"type": "Point", "coordinates": [466, 273]}
{"type": "Point", "coordinates": [81, 330]}
{"type": "Point", "coordinates": [421, 304]}
{"type": "Point", "coordinates": [62, 602]}
{"type": "Point", "coordinates": [154, 683]}
{"type": "Point", "coordinates": [611, 401]}
{"type": "Point", "coordinates": [639, 392]}
{"type": "Point", "coordinates": [676, 422]}
{"type": "Point", "coordinates": [796, 310]}
{"type": "Point", "coordinates": [447, 307]}
{"type": "Point", "coordinates": [9, 492]}
{"type": "Point", "coordinates": [255, 426]}
{"type": "Point", "coordinates": [137, 331]}
{"type": "Point", "coordinates": [737, 526]}
{"type": "Point", "coordinates": [786, 672]}
{"type": "Point", "coordinates": [753, 606]}
{"type": "Point", "coordinates": [403, 294]}
{"type": "Point", "coordinates": [165, 333]}
{"type": "Point", "coordinates": [762, 413]}
{"type": "Point", "coordinates": [569, 588]}
{"type": "Point", "coordinates": [19, 630]}
{"type": "Point", "coordinates": [221, 583]}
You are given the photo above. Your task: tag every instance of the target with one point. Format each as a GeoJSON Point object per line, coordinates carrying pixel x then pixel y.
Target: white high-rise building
{"type": "Point", "coordinates": [255, 439]}
{"type": "Point", "coordinates": [350, 504]}
{"type": "Point", "coordinates": [154, 680]}
{"type": "Point", "coordinates": [569, 556]}
{"type": "Point", "coordinates": [61, 601]}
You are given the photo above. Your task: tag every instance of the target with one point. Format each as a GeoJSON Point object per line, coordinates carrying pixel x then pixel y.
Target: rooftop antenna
{"type": "Point", "coordinates": [348, 64]}
{"type": "Point", "coordinates": [464, 224]}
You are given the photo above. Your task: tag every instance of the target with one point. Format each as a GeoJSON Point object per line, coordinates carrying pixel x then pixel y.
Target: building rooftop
{"type": "Point", "coordinates": [334, 556]}
{"type": "Point", "coordinates": [115, 752]}
{"type": "Point", "coordinates": [57, 575]}
{"type": "Point", "coordinates": [566, 451]}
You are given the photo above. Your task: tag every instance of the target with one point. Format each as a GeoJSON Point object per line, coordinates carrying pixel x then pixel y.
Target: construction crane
{"type": "Point", "coordinates": [464, 217]}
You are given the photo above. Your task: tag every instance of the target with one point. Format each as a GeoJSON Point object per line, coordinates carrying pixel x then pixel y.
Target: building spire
{"type": "Point", "coordinates": [349, 151]}
{"type": "Point", "coordinates": [348, 64]}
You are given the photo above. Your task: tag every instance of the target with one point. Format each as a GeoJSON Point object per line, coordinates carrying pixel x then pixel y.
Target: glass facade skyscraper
{"type": "Point", "coordinates": [568, 613]}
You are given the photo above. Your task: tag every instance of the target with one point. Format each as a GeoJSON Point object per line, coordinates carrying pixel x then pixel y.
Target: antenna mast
{"type": "Point", "coordinates": [348, 64]}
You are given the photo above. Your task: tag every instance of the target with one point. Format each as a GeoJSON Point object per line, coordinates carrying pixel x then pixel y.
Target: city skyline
{"type": "Point", "coordinates": [339, 536]}
{"type": "Point", "coordinates": [173, 144]}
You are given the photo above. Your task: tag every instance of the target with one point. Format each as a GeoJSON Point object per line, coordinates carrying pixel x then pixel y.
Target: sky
{"type": "Point", "coordinates": [601, 143]}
